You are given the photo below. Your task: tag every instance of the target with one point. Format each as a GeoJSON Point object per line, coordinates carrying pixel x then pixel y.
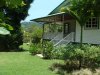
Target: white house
{"type": "Point", "coordinates": [68, 28]}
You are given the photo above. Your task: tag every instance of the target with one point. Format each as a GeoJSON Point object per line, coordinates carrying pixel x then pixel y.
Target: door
{"type": "Point", "coordinates": [66, 29]}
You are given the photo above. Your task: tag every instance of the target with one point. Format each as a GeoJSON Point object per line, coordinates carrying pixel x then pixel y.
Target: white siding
{"type": "Point", "coordinates": [89, 36]}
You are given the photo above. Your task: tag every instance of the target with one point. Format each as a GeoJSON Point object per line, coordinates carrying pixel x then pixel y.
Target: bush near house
{"type": "Point", "coordinates": [35, 48]}
{"type": "Point", "coordinates": [88, 56]}
{"type": "Point", "coordinates": [76, 59]}
{"type": "Point", "coordinates": [47, 50]}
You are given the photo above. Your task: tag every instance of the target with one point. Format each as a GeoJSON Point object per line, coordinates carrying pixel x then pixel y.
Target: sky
{"type": "Point", "coordinates": [41, 8]}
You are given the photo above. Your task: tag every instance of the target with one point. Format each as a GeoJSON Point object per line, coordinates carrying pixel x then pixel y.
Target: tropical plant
{"type": "Point", "coordinates": [81, 10]}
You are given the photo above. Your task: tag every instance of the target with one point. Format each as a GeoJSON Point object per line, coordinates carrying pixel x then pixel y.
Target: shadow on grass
{"type": "Point", "coordinates": [12, 50]}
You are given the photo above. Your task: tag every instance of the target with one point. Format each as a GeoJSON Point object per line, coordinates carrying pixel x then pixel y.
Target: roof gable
{"type": "Point", "coordinates": [58, 8]}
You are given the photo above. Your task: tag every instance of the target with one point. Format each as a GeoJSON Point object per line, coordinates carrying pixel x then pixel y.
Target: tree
{"type": "Point", "coordinates": [10, 4]}
{"type": "Point", "coordinates": [13, 13]}
{"type": "Point", "coordinates": [81, 10]}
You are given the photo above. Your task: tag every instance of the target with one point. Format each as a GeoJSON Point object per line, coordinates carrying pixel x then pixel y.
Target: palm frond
{"type": "Point", "coordinates": [72, 13]}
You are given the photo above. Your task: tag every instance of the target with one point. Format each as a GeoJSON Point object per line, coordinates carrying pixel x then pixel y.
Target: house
{"type": "Point", "coordinates": [63, 28]}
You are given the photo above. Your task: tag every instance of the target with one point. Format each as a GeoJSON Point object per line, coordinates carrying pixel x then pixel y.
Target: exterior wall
{"type": "Point", "coordinates": [89, 36]}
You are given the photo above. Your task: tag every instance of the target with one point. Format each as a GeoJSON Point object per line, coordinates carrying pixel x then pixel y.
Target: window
{"type": "Point", "coordinates": [92, 23]}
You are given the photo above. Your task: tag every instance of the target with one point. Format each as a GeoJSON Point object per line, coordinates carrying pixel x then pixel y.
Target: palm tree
{"type": "Point", "coordinates": [81, 10]}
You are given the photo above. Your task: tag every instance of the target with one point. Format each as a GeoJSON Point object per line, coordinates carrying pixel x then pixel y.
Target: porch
{"type": "Point", "coordinates": [59, 28]}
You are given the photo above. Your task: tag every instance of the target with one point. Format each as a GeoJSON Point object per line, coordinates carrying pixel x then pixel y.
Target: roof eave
{"type": "Point", "coordinates": [49, 16]}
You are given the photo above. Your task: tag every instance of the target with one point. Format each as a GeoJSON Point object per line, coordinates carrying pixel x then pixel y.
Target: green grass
{"type": "Point", "coordinates": [22, 63]}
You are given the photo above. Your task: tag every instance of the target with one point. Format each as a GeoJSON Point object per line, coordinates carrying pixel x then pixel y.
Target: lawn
{"type": "Point", "coordinates": [22, 63]}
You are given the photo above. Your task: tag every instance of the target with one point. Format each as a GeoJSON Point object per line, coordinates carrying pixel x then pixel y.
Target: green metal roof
{"type": "Point", "coordinates": [58, 8]}
{"type": "Point", "coordinates": [46, 18]}
{"type": "Point", "coordinates": [55, 12]}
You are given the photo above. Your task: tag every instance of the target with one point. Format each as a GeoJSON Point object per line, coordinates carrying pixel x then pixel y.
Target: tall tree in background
{"type": "Point", "coordinates": [14, 15]}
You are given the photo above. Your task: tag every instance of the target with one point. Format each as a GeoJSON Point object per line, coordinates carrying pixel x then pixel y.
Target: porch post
{"type": "Point", "coordinates": [63, 21]}
{"type": "Point", "coordinates": [54, 23]}
{"type": "Point", "coordinates": [49, 27]}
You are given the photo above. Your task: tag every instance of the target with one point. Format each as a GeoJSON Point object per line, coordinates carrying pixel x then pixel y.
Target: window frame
{"type": "Point", "coordinates": [91, 24]}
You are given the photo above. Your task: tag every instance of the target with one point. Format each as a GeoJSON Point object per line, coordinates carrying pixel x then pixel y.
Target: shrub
{"type": "Point", "coordinates": [35, 49]}
{"type": "Point", "coordinates": [87, 56]}
{"type": "Point", "coordinates": [92, 56]}
{"type": "Point", "coordinates": [37, 35]}
{"type": "Point", "coordinates": [57, 52]}
{"type": "Point", "coordinates": [63, 51]}
{"type": "Point", "coordinates": [47, 48]}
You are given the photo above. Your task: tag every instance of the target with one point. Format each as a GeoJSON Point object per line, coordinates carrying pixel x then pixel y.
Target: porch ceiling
{"type": "Point", "coordinates": [58, 17]}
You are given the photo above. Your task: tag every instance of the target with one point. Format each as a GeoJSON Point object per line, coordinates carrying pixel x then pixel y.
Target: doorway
{"type": "Point", "coordinates": [66, 29]}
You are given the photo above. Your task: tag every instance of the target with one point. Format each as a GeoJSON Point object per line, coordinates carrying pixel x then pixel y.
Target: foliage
{"type": "Point", "coordinates": [92, 56]}
{"type": "Point", "coordinates": [26, 37]}
{"type": "Point", "coordinates": [87, 56]}
{"type": "Point", "coordinates": [47, 48]}
{"type": "Point", "coordinates": [4, 31]}
{"type": "Point", "coordinates": [35, 49]}
{"type": "Point", "coordinates": [32, 33]}
{"type": "Point", "coordinates": [71, 69]}
{"type": "Point", "coordinates": [82, 10]}
{"type": "Point", "coordinates": [10, 10]}
{"type": "Point", "coordinates": [11, 3]}
{"type": "Point", "coordinates": [37, 35]}
{"type": "Point", "coordinates": [57, 52]}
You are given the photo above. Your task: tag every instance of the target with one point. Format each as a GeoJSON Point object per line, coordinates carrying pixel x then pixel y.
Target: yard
{"type": "Point", "coordinates": [22, 63]}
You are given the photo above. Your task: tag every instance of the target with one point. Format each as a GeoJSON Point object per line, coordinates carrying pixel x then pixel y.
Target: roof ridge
{"type": "Point", "coordinates": [56, 7]}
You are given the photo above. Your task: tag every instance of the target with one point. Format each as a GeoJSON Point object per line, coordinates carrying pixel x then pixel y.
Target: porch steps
{"type": "Point", "coordinates": [66, 40]}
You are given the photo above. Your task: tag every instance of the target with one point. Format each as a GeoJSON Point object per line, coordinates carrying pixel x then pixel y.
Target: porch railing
{"type": "Point", "coordinates": [51, 35]}
{"type": "Point", "coordinates": [69, 38]}
{"type": "Point", "coordinates": [57, 38]}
